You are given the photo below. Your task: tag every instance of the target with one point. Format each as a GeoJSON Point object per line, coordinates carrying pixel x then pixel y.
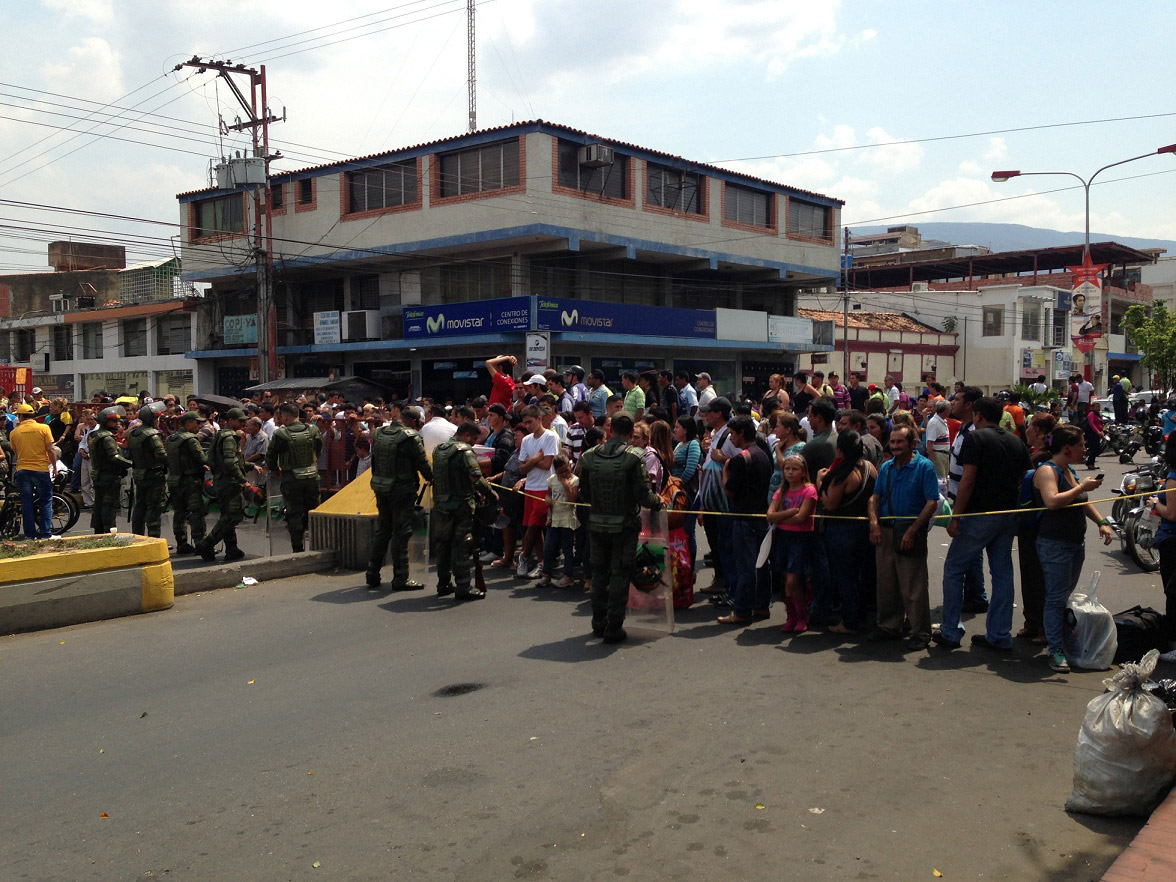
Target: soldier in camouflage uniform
{"type": "Point", "coordinates": [107, 467]}
{"type": "Point", "coordinates": [149, 472]}
{"type": "Point", "coordinates": [398, 457]}
{"type": "Point", "coordinates": [613, 481]}
{"type": "Point", "coordinates": [456, 478]}
{"type": "Point", "coordinates": [293, 452]}
{"type": "Point", "coordinates": [228, 482]}
{"type": "Point", "coordinates": [185, 481]}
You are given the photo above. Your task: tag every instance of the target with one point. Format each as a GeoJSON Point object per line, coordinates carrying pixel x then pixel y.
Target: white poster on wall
{"type": "Point", "coordinates": [327, 328]}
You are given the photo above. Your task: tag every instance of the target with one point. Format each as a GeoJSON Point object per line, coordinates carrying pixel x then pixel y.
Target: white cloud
{"type": "Point", "coordinates": [93, 69]}
{"type": "Point", "coordinates": [97, 11]}
{"type": "Point", "coordinates": [892, 158]}
{"type": "Point", "coordinates": [970, 167]}
{"type": "Point", "coordinates": [997, 149]}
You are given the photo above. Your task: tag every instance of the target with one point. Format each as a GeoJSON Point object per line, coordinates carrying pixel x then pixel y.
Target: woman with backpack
{"type": "Point", "coordinates": [1038, 432]}
{"type": "Point", "coordinates": [844, 489]}
{"type": "Point", "coordinates": [1061, 532]}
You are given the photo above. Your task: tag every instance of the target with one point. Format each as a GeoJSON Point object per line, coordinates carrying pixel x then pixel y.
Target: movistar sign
{"type": "Point", "coordinates": [591, 316]}
{"type": "Point", "coordinates": [477, 317]}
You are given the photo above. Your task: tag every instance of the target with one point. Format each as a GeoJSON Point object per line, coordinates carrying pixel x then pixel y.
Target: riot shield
{"type": "Point", "coordinates": [651, 600]}
{"type": "Point", "coordinates": [420, 546]}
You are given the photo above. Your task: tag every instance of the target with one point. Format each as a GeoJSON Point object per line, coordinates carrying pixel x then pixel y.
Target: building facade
{"type": "Point", "coordinates": [410, 268]}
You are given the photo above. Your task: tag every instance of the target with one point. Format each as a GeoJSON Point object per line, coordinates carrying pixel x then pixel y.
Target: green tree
{"type": "Point", "coordinates": [1154, 335]}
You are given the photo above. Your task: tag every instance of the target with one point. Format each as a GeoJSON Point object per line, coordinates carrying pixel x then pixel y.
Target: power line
{"type": "Point", "coordinates": [1087, 122]}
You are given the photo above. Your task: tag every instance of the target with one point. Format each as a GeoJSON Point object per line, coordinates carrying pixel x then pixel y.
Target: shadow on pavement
{"type": "Point", "coordinates": [579, 648]}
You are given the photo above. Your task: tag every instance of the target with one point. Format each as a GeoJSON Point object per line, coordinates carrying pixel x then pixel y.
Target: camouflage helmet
{"type": "Point", "coordinates": [192, 415]}
{"type": "Point", "coordinates": [234, 413]}
{"type": "Point", "coordinates": [148, 411]}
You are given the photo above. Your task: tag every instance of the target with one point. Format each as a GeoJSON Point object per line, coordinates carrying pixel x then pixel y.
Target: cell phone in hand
{"type": "Point", "coordinates": [1099, 476]}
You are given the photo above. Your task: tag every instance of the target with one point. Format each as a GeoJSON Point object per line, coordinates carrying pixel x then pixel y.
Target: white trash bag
{"type": "Point", "coordinates": [1126, 754]}
{"type": "Point", "coordinates": [1090, 639]}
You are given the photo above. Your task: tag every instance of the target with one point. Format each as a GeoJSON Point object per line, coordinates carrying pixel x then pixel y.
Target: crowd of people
{"type": "Point", "coordinates": [814, 472]}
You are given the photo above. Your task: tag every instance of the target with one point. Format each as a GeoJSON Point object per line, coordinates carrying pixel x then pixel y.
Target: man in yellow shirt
{"type": "Point", "coordinates": [32, 443]}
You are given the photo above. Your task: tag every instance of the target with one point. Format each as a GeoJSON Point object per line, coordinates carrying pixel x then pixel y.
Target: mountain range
{"type": "Point", "coordinates": [1016, 237]}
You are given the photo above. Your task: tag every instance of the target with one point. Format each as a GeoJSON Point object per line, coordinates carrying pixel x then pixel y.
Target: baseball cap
{"type": "Point", "coordinates": [704, 376]}
{"type": "Point", "coordinates": [873, 387]}
{"type": "Point", "coordinates": [536, 380]}
{"type": "Point", "coordinates": [37, 389]}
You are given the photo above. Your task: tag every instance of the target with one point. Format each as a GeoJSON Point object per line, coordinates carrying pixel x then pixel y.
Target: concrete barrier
{"type": "Point", "coordinates": [73, 585]}
{"type": "Point", "coordinates": [280, 566]}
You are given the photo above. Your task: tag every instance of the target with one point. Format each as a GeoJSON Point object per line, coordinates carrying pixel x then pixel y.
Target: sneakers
{"type": "Point", "coordinates": [1057, 662]}
{"type": "Point", "coordinates": [523, 568]}
{"type": "Point", "coordinates": [544, 580]}
{"type": "Point", "coordinates": [565, 582]}
{"type": "Point", "coordinates": [535, 573]}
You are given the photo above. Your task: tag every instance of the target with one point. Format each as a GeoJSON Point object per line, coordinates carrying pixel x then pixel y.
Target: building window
{"type": "Point", "coordinates": [223, 215]}
{"type": "Point", "coordinates": [365, 292]}
{"type": "Point", "coordinates": [173, 334]}
{"type": "Point", "coordinates": [386, 186]}
{"type": "Point", "coordinates": [810, 220]}
{"type": "Point", "coordinates": [477, 280]}
{"type": "Point", "coordinates": [63, 348]}
{"type": "Point", "coordinates": [993, 322]}
{"type": "Point", "coordinates": [306, 191]}
{"type": "Point", "coordinates": [491, 167]}
{"type": "Point", "coordinates": [276, 197]}
{"type": "Point", "coordinates": [746, 206]}
{"type": "Point", "coordinates": [134, 342]}
{"type": "Point", "coordinates": [1061, 328]}
{"type": "Point", "coordinates": [606, 180]}
{"type": "Point", "coordinates": [674, 189]}
{"type": "Point", "coordinates": [92, 340]}
{"type": "Point", "coordinates": [23, 343]}
{"type": "Point", "coordinates": [5, 349]}
{"type": "Point", "coordinates": [1031, 320]}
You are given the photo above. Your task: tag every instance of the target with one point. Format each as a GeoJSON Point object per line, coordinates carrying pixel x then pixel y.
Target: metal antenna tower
{"type": "Point", "coordinates": [471, 53]}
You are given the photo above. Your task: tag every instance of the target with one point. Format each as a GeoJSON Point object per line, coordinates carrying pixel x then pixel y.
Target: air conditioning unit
{"type": "Point", "coordinates": [361, 324]}
{"type": "Point", "coordinates": [596, 155]}
{"type": "Point", "coordinates": [920, 287]}
{"type": "Point", "coordinates": [57, 302]}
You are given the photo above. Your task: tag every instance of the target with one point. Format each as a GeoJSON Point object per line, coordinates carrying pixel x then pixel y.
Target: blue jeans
{"type": "Point", "coordinates": [974, 583]}
{"type": "Point", "coordinates": [821, 610]}
{"type": "Point", "coordinates": [1061, 565]}
{"type": "Point", "coordinates": [980, 533]}
{"type": "Point", "coordinates": [75, 478]}
{"type": "Point", "coordinates": [848, 543]}
{"type": "Point", "coordinates": [749, 592]}
{"type": "Point", "coordinates": [559, 539]}
{"type": "Point", "coordinates": [36, 503]}
{"type": "Point", "coordinates": [724, 552]}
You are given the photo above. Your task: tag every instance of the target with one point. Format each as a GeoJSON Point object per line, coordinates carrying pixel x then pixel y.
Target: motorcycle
{"type": "Point", "coordinates": [1125, 439]}
{"type": "Point", "coordinates": [1132, 518]}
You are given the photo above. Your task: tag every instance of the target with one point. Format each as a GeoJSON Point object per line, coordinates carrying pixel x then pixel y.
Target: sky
{"type": "Point", "coordinates": [902, 109]}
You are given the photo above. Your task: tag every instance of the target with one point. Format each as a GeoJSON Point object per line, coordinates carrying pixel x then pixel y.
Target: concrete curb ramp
{"type": "Point", "coordinates": [71, 586]}
{"type": "Point", "coordinates": [264, 569]}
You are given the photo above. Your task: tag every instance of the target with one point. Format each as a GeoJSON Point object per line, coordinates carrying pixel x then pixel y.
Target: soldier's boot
{"type": "Point", "coordinates": [206, 551]}
{"type": "Point", "coordinates": [185, 548]}
{"type": "Point", "coordinates": [406, 584]}
{"type": "Point", "coordinates": [296, 541]}
{"type": "Point", "coordinates": [232, 552]}
{"type": "Point", "coordinates": [469, 593]}
{"type": "Point", "coordinates": [373, 578]}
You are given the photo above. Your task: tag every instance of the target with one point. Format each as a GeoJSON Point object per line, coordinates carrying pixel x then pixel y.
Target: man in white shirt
{"type": "Point", "coordinates": [437, 430]}
{"type": "Point", "coordinates": [892, 394]}
{"type": "Point", "coordinates": [536, 454]}
{"type": "Point", "coordinates": [706, 390]}
{"type": "Point", "coordinates": [1039, 388]}
{"type": "Point", "coordinates": [1085, 390]}
{"type": "Point", "coordinates": [938, 439]}
{"type": "Point", "coordinates": [267, 417]}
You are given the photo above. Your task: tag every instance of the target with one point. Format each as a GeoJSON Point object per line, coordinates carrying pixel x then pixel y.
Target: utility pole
{"type": "Point", "coordinates": [845, 302]}
{"type": "Point", "coordinates": [471, 62]}
{"type": "Point", "coordinates": [257, 121]}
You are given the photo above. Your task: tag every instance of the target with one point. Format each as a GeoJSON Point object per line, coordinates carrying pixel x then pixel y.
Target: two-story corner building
{"type": "Point", "coordinates": [95, 323]}
{"type": "Point", "coordinates": [411, 267]}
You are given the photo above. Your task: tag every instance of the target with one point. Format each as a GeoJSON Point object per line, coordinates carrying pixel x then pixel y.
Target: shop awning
{"type": "Point", "coordinates": [1124, 356]}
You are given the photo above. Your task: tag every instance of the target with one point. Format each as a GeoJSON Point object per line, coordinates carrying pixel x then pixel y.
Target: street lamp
{"type": "Point", "coordinates": [1000, 177]}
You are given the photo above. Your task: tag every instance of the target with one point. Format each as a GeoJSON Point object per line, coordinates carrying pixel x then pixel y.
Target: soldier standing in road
{"type": "Point", "coordinates": [294, 451]}
{"type": "Point", "coordinates": [456, 478]}
{"type": "Point", "coordinates": [149, 472]}
{"type": "Point", "coordinates": [107, 467]}
{"type": "Point", "coordinates": [185, 480]}
{"type": "Point", "coordinates": [398, 457]}
{"type": "Point", "coordinates": [228, 482]}
{"type": "Point", "coordinates": [613, 481]}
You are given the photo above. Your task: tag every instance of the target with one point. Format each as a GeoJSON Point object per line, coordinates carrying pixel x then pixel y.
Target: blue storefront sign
{"type": "Point", "coordinates": [588, 316]}
{"type": "Point", "coordinates": [465, 319]}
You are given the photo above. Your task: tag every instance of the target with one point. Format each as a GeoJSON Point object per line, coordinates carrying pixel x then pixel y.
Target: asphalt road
{"type": "Point", "coordinates": [299, 730]}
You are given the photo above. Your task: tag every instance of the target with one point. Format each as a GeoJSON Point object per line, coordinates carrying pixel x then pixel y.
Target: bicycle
{"type": "Point", "coordinates": [65, 513]}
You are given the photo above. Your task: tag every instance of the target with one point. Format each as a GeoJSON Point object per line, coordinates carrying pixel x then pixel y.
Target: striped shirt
{"type": "Point", "coordinates": [955, 471]}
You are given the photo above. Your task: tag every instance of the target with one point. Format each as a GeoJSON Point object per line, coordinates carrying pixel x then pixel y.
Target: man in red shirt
{"type": "Point", "coordinates": [501, 382]}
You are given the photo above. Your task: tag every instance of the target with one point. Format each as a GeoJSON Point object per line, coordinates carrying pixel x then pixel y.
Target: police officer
{"type": "Point", "coordinates": [228, 483]}
{"type": "Point", "coordinates": [613, 481]}
{"type": "Point", "coordinates": [107, 467]}
{"type": "Point", "coordinates": [456, 477]}
{"type": "Point", "coordinates": [149, 472]}
{"type": "Point", "coordinates": [294, 451]}
{"type": "Point", "coordinates": [185, 481]}
{"type": "Point", "coordinates": [398, 457]}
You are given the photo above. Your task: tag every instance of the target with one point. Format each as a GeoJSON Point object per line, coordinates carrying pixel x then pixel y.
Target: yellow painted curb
{"type": "Point", "coordinates": [159, 587]}
{"type": "Point", "coordinates": [70, 562]}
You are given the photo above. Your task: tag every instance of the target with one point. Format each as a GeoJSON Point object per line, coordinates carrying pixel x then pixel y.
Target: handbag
{"type": "Point", "coordinates": [899, 526]}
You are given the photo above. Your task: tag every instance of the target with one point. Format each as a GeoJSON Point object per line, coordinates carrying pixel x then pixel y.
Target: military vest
{"type": "Point", "coordinates": [220, 466]}
{"type": "Point", "coordinates": [179, 463]}
{"type": "Point", "coordinates": [451, 476]}
{"type": "Point", "coordinates": [300, 459]}
{"type": "Point", "coordinates": [612, 504]}
{"type": "Point", "coordinates": [142, 451]}
{"type": "Point", "coordinates": [393, 467]}
{"type": "Point", "coordinates": [103, 454]}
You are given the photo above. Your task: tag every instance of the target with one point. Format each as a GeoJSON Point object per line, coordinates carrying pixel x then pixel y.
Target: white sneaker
{"type": "Point", "coordinates": [488, 556]}
{"type": "Point", "coordinates": [564, 582]}
{"type": "Point", "coordinates": [523, 568]}
{"type": "Point", "coordinates": [544, 581]}
{"type": "Point", "coordinates": [536, 573]}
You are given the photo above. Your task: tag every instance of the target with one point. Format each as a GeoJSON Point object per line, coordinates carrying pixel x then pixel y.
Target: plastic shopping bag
{"type": "Point", "coordinates": [1125, 759]}
{"type": "Point", "coordinates": [1090, 639]}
